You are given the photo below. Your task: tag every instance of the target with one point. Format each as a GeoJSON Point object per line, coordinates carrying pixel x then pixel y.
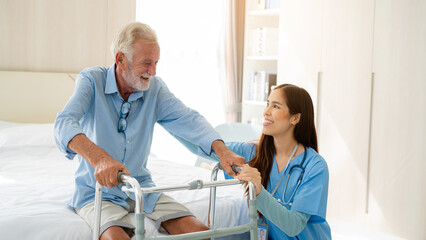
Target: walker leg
{"type": "Point", "coordinates": [140, 226]}
{"type": "Point", "coordinates": [98, 206]}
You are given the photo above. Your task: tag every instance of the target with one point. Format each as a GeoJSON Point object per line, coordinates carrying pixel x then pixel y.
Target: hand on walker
{"type": "Point", "coordinates": [251, 174]}
{"type": "Point", "coordinates": [229, 159]}
{"type": "Point", "coordinates": [106, 171]}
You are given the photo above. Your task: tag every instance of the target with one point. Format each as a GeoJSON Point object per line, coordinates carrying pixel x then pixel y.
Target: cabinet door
{"type": "Point", "coordinates": [300, 44]}
{"type": "Point", "coordinates": [345, 104]}
{"type": "Point", "coordinates": [397, 189]}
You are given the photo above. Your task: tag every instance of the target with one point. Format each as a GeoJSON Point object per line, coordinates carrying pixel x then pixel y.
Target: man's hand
{"type": "Point", "coordinates": [106, 171]}
{"type": "Point", "coordinates": [227, 157]}
{"type": "Point", "coordinates": [106, 167]}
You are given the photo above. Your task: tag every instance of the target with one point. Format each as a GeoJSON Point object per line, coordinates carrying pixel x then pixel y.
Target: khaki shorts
{"type": "Point", "coordinates": [114, 215]}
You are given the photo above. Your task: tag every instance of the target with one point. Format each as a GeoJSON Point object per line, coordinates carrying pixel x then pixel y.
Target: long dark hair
{"type": "Point", "coordinates": [298, 101]}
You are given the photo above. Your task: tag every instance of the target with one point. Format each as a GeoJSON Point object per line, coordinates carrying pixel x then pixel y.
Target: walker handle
{"type": "Point", "coordinates": [234, 167]}
{"type": "Point", "coordinates": [119, 175]}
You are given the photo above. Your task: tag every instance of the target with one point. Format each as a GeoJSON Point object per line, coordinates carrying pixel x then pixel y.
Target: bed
{"type": "Point", "coordinates": [36, 181]}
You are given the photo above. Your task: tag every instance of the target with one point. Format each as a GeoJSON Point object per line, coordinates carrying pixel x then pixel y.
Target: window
{"type": "Point", "coordinates": [189, 33]}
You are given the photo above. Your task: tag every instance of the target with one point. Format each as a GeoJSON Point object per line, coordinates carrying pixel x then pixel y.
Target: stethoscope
{"type": "Point", "coordinates": [299, 180]}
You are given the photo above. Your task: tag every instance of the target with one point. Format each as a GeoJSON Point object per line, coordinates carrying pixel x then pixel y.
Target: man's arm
{"type": "Point", "coordinates": [227, 157]}
{"type": "Point", "coordinates": [106, 167]}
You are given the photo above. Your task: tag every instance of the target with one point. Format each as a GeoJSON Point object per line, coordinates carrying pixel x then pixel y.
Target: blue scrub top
{"type": "Point", "coordinates": [310, 197]}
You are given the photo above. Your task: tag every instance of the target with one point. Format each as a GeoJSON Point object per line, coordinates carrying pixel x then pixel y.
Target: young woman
{"type": "Point", "coordinates": [290, 177]}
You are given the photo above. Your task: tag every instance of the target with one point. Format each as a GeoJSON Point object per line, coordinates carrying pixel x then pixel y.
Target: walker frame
{"type": "Point", "coordinates": [132, 186]}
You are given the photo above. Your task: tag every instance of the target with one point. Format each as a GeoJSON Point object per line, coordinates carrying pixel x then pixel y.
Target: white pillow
{"type": "Point", "coordinates": [27, 135]}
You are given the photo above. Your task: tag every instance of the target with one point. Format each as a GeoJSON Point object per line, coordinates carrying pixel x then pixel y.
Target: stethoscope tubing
{"type": "Point", "coordinates": [299, 180]}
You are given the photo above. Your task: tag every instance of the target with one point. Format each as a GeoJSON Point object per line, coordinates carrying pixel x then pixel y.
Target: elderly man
{"type": "Point", "coordinates": [109, 123]}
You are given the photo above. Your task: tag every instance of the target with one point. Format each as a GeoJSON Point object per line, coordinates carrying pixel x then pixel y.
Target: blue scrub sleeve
{"type": "Point", "coordinates": [311, 198]}
{"type": "Point", "coordinates": [290, 222]}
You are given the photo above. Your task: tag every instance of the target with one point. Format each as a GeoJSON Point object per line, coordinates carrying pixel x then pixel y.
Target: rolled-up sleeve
{"type": "Point", "coordinates": [67, 123]}
{"type": "Point", "coordinates": [185, 122]}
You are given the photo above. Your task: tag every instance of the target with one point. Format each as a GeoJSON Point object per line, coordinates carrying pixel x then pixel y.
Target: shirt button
{"type": "Point", "coordinates": [128, 142]}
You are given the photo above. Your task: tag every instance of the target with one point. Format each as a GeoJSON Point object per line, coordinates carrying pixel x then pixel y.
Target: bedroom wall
{"type": "Point", "coordinates": [45, 43]}
{"type": "Point", "coordinates": [60, 36]}
{"type": "Point", "coordinates": [365, 61]}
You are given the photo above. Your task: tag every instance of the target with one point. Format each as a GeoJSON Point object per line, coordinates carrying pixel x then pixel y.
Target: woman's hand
{"type": "Point", "coordinates": [251, 174]}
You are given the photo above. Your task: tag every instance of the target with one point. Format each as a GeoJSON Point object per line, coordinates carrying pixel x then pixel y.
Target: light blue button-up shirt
{"type": "Point", "coordinates": [94, 110]}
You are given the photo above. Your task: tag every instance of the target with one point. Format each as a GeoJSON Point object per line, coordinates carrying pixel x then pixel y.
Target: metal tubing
{"type": "Point", "coordinates": [140, 224]}
{"type": "Point", "coordinates": [98, 206]}
{"type": "Point", "coordinates": [136, 189]}
{"type": "Point", "coordinates": [186, 187]}
{"type": "Point", "coordinates": [209, 233]}
{"type": "Point", "coordinates": [212, 200]}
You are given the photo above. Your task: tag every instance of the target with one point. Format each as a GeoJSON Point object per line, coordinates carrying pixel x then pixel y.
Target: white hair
{"type": "Point", "coordinates": [131, 32]}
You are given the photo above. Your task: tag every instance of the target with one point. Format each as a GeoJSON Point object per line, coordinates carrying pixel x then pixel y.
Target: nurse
{"type": "Point", "coordinates": [290, 177]}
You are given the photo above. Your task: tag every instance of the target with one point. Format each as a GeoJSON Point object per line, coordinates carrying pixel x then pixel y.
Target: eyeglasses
{"type": "Point", "coordinates": [122, 122]}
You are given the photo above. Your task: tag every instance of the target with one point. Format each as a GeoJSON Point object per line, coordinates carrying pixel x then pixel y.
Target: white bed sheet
{"type": "Point", "coordinates": [36, 181]}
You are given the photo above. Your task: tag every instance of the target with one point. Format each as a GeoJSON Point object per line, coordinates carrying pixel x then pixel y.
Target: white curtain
{"type": "Point", "coordinates": [232, 58]}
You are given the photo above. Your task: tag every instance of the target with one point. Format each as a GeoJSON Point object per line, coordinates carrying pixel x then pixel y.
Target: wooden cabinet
{"type": "Point", "coordinates": [397, 199]}
{"type": "Point", "coordinates": [345, 91]}
{"type": "Point", "coordinates": [370, 131]}
{"type": "Point", "coordinates": [300, 36]}
{"type": "Point", "coordinates": [326, 48]}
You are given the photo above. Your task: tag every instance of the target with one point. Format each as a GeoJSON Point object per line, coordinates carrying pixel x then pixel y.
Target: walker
{"type": "Point", "coordinates": [132, 186]}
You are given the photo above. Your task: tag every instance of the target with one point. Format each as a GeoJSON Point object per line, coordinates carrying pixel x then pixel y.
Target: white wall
{"type": "Point", "coordinates": [371, 132]}
{"type": "Point", "coordinates": [60, 36]}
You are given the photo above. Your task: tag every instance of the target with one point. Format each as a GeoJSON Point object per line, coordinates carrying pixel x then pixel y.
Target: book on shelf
{"type": "Point", "coordinates": [263, 42]}
{"type": "Point", "coordinates": [260, 83]}
{"type": "Point", "coordinates": [272, 4]}
{"type": "Point", "coordinates": [260, 4]}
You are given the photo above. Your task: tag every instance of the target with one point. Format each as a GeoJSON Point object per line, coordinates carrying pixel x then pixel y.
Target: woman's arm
{"type": "Point", "coordinates": [290, 222]}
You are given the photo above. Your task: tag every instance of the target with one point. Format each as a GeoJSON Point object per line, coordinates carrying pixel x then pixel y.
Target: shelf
{"type": "Point", "coordinates": [255, 103]}
{"type": "Point", "coordinates": [263, 18]}
{"type": "Point", "coordinates": [260, 65]}
{"type": "Point", "coordinates": [262, 58]}
{"type": "Point", "coordinates": [265, 12]}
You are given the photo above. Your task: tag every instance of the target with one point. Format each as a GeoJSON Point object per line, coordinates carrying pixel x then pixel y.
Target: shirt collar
{"type": "Point", "coordinates": [111, 85]}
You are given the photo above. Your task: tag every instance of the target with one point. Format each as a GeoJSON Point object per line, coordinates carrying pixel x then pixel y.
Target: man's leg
{"type": "Point", "coordinates": [115, 223]}
{"type": "Point", "coordinates": [174, 217]}
{"type": "Point", "coordinates": [113, 233]}
{"type": "Point", "coordinates": [184, 225]}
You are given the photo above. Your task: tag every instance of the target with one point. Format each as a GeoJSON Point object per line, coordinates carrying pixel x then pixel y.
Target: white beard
{"type": "Point", "coordinates": [134, 81]}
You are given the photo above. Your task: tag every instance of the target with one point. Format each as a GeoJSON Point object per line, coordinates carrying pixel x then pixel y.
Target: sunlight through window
{"type": "Point", "coordinates": [189, 33]}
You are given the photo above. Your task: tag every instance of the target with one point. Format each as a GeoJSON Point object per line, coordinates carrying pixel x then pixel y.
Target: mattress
{"type": "Point", "coordinates": [36, 182]}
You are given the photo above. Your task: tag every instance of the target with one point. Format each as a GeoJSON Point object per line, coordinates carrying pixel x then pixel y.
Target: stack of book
{"type": "Point", "coordinates": [260, 85]}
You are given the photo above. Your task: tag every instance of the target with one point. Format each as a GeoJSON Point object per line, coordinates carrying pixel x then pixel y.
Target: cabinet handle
{"type": "Point", "coordinates": [367, 201]}
{"type": "Point", "coordinates": [319, 82]}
